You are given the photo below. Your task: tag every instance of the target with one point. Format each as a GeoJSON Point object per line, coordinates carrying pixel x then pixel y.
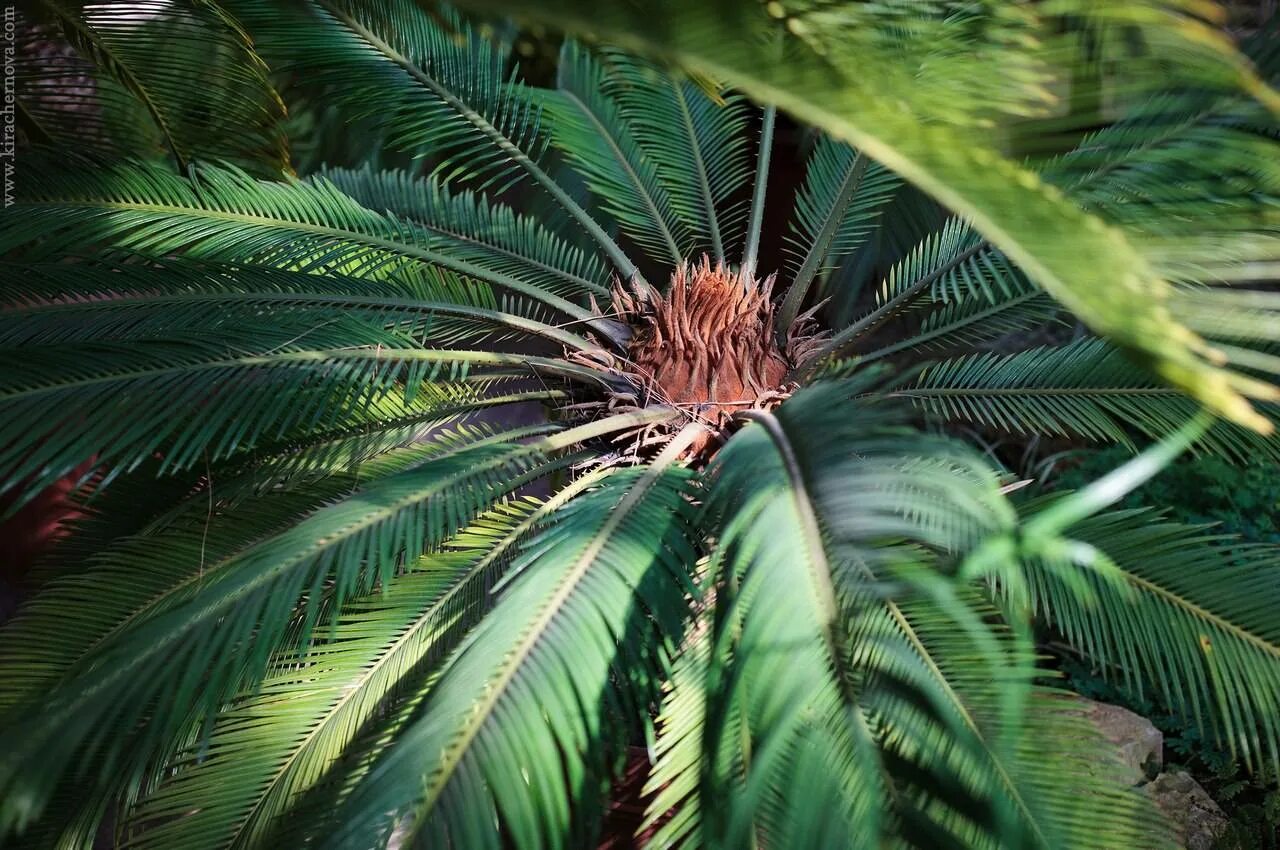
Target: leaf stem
{"type": "Point", "coordinates": [749, 254]}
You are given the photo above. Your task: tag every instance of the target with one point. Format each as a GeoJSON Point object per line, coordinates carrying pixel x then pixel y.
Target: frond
{"type": "Point", "coordinates": [57, 630]}
{"type": "Point", "coordinates": [805, 498]}
{"type": "Point", "coordinates": [949, 268]}
{"type": "Point", "coordinates": [587, 124]}
{"type": "Point", "coordinates": [526, 709]}
{"type": "Point", "coordinates": [674, 809]}
{"type": "Point", "coordinates": [436, 84]}
{"type": "Point", "coordinates": [53, 303]}
{"type": "Point", "coordinates": [842, 195]}
{"type": "Point", "coordinates": [288, 735]}
{"type": "Point", "coordinates": [470, 227]}
{"type": "Point", "coordinates": [225, 215]}
{"type": "Point", "coordinates": [148, 686]}
{"type": "Point", "coordinates": [1193, 174]}
{"type": "Point", "coordinates": [206, 395]}
{"type": "Point", "coordinates": [972, 322]}
{"type": "Point", "coordinates": [1030, 769]}
{"type": "Point", "coordinates": [177, 78]}
{"type": "Point", "coordinates": [697, 143]}
{"type": "Point", "coordinates": [1085, 389]}
{"type": "Point", "coordinates": [1174, 609]}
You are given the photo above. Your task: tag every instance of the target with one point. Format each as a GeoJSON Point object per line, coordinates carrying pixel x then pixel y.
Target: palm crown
{"type": "Point", "coordinates": [324, 592]}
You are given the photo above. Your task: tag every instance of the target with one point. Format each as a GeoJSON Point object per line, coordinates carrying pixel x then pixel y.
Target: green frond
{"type": "Point", "coordinates": [391, 423]}
{"type": "Point", "coordinates": [296, 728]}
{"type": "Point", "coordinates": [1195, 175]}
{"type": "Point", "coordinates": [673, 811]}
{"type": "Point", "coordinates": [488, 235]}
{"type": "Point", "coordinates": [950, 267]}
{"type": "Point", "coordinates": [1026, 768]}
{"type": "Point", "coordinates": [436, 84]}
{"type": "Point", "coordinates": [1084, 389]}
{"type": "Point", "coordinates": [972, 322]}
{"type": "Point", "coordinates": [804, 498]}
{"type": "Point", "coordinates": [54, 303]}
{"type": "Point", "coordinates": [842, 195]}
{"type": "Point", "coordinates": [222, 214]}
{"type": "Point", "coordinates": [1173, 609]}
{"type": "Point", "coordinates": [113, 588]}
{"type": "Point", "coordinates": [210, 394]}
{"type": "Point", "coordinates": [146, 687]}
{"type": "Point", "coordinates": [182, 79]}
{"type": "Point", "coordinates": [587, 124]}
{"type": "Point", "coordinates": [517, 737]}
{"type": "Point", "coordinates": [950, 264]}
{"type": "Point", "coordinates": [696, 142]}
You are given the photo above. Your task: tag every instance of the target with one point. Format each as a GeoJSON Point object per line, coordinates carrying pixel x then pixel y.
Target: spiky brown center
{"type": "Point", "coordinates": [708, 348]}
{"type": "Point", "coordinates": [709, 342]}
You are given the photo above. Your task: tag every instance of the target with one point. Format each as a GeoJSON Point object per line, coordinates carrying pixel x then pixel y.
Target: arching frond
{"type": "Point", "coordinates": [952, 266]}
{"type": "Point", "coordinates": [1085, 389]}
{"type": "Point", "coordinates": [176, 78]}
{"type": "Point", "coordinates": [587, 124]}
{"type": "Point", "coordinates": [225, 215]}
{"type": "Point", "coordinates": [790, 542]}
{"type": "Point", "coordinates": [191, 400]}
{"type": "Point", "coordinates": [147, 686]}
{"type": "Point", "coordinates": [290, 733]}
{"type": "Point", "coordinates": [522, 711]}
{"type": "Point", "coordinates": [973, 322]}
{"type": "Point", "coordinates": [673, 815]}
{"type": "Point", "coordinates": [697, 144]}
{"type": "Point", "coordinates": [1157, 167]}
{"type": "Point", "coordinates": [438, 85]}
{"type": "Point", "coordinates": [1172, 608]}
{"type": "Point", "coordinates": [843, 193]}
{"type": "Point", "coordinates": [491, 236]}
{"type": "Point", "coordinates": [75, 613]}
{"type": "Point", "coordinates": [1023, 755]}
{"type": "Point", "coordinates": [52, 303]}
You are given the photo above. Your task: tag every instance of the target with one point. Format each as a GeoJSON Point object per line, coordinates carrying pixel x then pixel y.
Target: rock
{"type": "Point", "coordinates": [1196, 817]}
{"type": "Point", "coordinates": [1139, 745]}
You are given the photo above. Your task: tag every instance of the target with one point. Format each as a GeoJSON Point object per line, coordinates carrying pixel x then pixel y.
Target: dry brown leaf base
{"type": "Point", "coordinates": [707, 348]}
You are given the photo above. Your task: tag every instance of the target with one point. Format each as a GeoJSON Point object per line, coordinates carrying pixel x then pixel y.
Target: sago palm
{"type": "Point", "coordinates": [325, 590]}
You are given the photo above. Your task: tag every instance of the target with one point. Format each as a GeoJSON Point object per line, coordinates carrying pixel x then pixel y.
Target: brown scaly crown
{"type": "Point", "coordinates": [708, 345]}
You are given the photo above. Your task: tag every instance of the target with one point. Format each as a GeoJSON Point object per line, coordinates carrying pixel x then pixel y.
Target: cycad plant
{"type": "Point", "coordinates": [410, 519]}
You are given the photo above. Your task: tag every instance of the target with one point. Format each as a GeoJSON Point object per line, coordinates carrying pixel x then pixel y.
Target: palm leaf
{"type": "Point", "coordinates": [783, 655]}
{"type": "Point", "coordinates": [311, 376]}
{"type": "Point", "coordinates": [951, 265]}
{"type": "Point", "coordinates": [588, 125]}
{"type": "Point", "coordinates": [755, 220]}
{"type": "Point", "coordinates": [1085, 389]}
{"type": "Point", "coordinates": [186, 71]}
{"type": "Point", "coordinates": [225, 215]}
{"type": "Point", "coordinates": [697, 144]}
{"type": "Point", "coordinates": [289, 734]}
{"type": "Point", "coordinates": [208, 641]}
{"type": "Point", "coordinates": [488, 235]}
{"type": "Point", "coordinates": [492, 740]}
{"type": "Point", "coordinates": [842, 194]}
{"type": "Point", "coordinates": [58, 302]}
{"type": "Point", "coordinates": [1180, 611]}
{"type": "Point", "coordinates": [430, 79]}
